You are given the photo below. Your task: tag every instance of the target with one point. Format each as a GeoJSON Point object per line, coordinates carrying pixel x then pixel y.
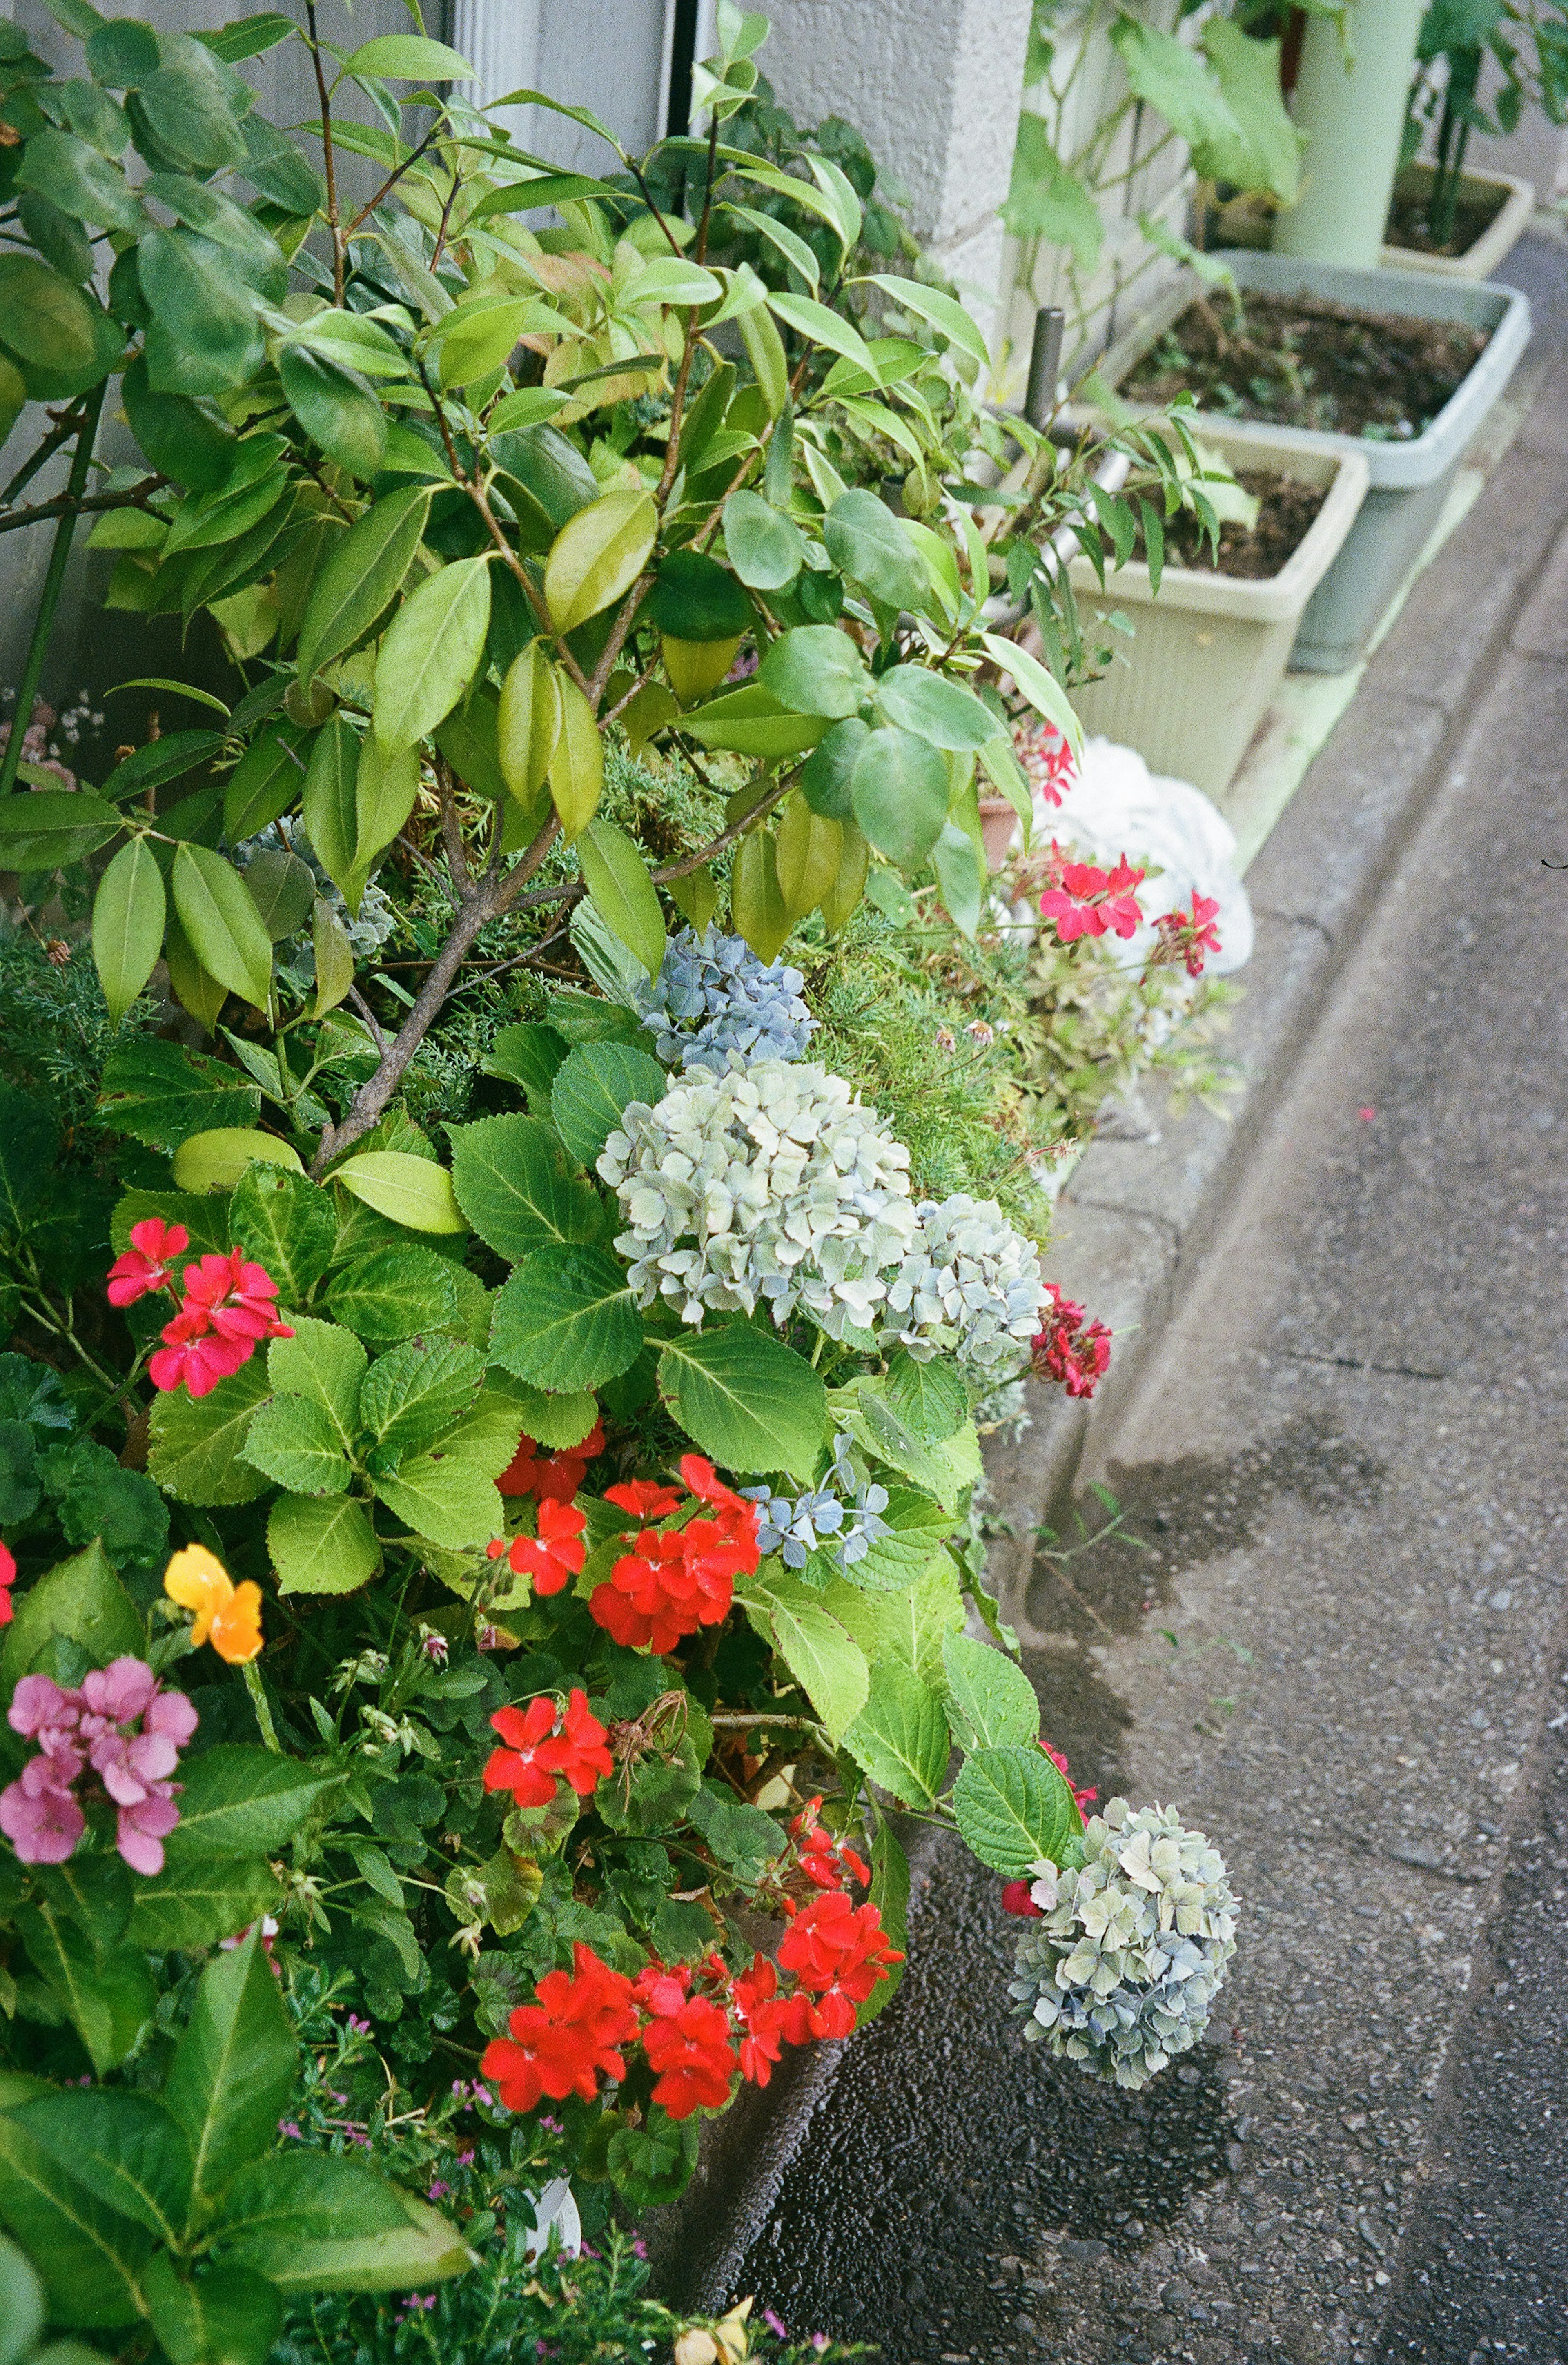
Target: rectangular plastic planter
{"type": "Point", "coordinates": [1191, 688]}
{"type": "Point", "coordinates": [1409, 482]}
{"type": "Point", "coordinates": [1496, 241]}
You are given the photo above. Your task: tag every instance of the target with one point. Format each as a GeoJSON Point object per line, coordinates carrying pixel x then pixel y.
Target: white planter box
{"type": "Point", "coordinates": [1502, 234]}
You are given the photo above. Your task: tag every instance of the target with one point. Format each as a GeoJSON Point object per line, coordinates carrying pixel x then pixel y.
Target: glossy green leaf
{"type": "Point", "coordinates": [107, 1993]}
{"type": "Point", "coordinates": [192, 1904]}
{"type": "Point", "coordinates": [60, 340]}
{"type": "Point", "coordinates": [512, 1186]}
{"type": "Point", "coordinates": [324, 1363]}
{"type": "Point", "coordinates": [764, 549]}
{"type": "Point", "coordinates": [233, 2073]}
{"type": "Point", "coordinates": [576, 761]}
{"type": "Point", "coordinates": [334, 954]}
{"type": "Point", "coordinates": [867, 541]}
{"type": "Point", "coordinates": [758, 909]}
{"type": "Point", "coordinates": [128, 912]}
{"type": "Point", "coordinates": [329, 799]}
{"type": "Point", "coordinates": [364, 574]}
{"type": "Point", "coordinates": [216, 1160]}
{"type": "Point", "coordinates": [1039, 685]}
{"type": "Point", "coordinates": [314, 2221]}
{"type": "Point", "coordinates": [286, 1223]}
{"type": "Point", "coordinates": [695, 599]}
{"type": "Point", "coordinates": [204, 336]}
{"type": "Point", "coordinates": [412, 1397]}
{"type": "Point", "coordinates": [929, 1397]}
{"type": "Point", "coordinates": [620, 888]}
{"type": "Point", "coordinates": [81, 1599]}
{"type": "Point", "coordinates": [74, 176]}
{"type": "Point", "coordinates": [598, 556]}
{"type": "Point", "coordinates": [125, 2148]}
{"type": "Point", "coordinates": [820, 326]}
{"type": "Point", "coordinates": [990, 1700]}
{"type": "Point", "coordinates": [283, 889]}
{"type": "Point", "coordinates": [21, 2306]}
{"type": "Point", "coordinates": [228, 2315]}
{"type": "Point", "coordinates": [337, 408]}
{"type": "Point", "coordinates": [294, 1443]}
{"type": "Point", "coordinates": [565, 1320]}
{"type": "Point", "coordinates": [265, 782]}
{"type": "Point", "coordinates": [1014, 1809]}
{"type": "Point", "coordinates": [321, 1546]}
{"type": "Point", "coordinates": [940, 710]}
{"type": "Point", "coordinates": [528, 724]}
{"type": "Point", "coordinates": [223, 922]}
{"type": "Point", "coordinates": [899, 793]}
{"type": "Point", "coordinates": [407, 57]}
{"type": "Point", "coordinates": [431, 652]}
{"type": "Point", "coordinates": [414, 1192]}
{"type": "Point", "coordinates": [901, 1736]}
{"type": "Point", "coordinates": [385, 789]}
{"type": "Point", "coordinates": [48, 831]}
{"type": "Point", "coordinates": [750, 1402]}
{"type": "Point", "coordinates": [750, 721]}
{"type": "Point", "coordinates": [90, 2257]}
{"type": "Point", "coordinates": [816, 669]}
{"type": "Point", "coordinates": [393, 1293]}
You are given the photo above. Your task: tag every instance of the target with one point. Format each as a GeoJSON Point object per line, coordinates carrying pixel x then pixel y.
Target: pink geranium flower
{"type": "Point", "coordinates": [123, 1726]}
{"type": "Point", "coordinates": [1088, 901]}
{"type": "Point", "coordinates": [229, 1306]}
{"type": "Point", "coordinates": [147, 1263]}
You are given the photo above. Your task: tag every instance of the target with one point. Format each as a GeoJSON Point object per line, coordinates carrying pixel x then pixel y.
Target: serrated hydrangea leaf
{"type": "Point", "coordinates": [820, 1652]}
{"type": "Point", "coordinates": [554, 1421]}
{"type": "Point", "coordinates": [287, 1224]}
{"type": "Point", "coordinates": [527, 1054]}
{"type": "Point", "coordinates": [325, 1363]}
{"type": "Point", "coordinates": [444, 1497]}
{"type": "Point", "coordinates": [321, 1547]}
{"type": "Point", "coordinates": [566, 1320]}
{"type": "Point", "coordinates": [900, 1735]}
{"type": "Point", "coordinates": [488, 1433]}
{"type": "Point", "coordinates": [393, 1293]}
{"type": "Point", "coordinates": [296, 1443]}
{"type": "Point", "coordinates": [888, 1893]}
{"type": "Point", "coordinates": [593, 1085]}
{"type": "Point", "coordinates": [991, 1701]}
{"type": "Point", "coordinates": [929, 1398]}
{"type": "Point", "coordinates": [749, 1402]}
{"type": "Point", "coordinates": [908, 1624]}
{"type": "Point", "coordinates": [1014, 1809]}
{"type": "Point", "coordinates": [513, 1186]}
{"type": "Point", "coordinates": [197, 1443]}
{"type": "Point", "coordinates": [413, 1396]}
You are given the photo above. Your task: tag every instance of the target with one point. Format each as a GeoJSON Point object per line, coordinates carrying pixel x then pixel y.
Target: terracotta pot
{"type": "Point", "coordinates": [998, 820]}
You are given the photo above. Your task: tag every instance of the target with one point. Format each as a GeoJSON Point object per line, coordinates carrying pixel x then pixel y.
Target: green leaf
{"type": "Point", "coordinates": [961, 875]}
{"type": "Point", "coordinates": [598, 556]}
{"type": "Point", "coordinates": [592, 1090]}
{"type": "Point", "coordinates": [384, 790]}
{"type": "Point", "coordinates": [899, 791]}
{"type": "Point", "coordinates": [107, 1993]}
{"type": "Point", "coordinates": [198, 1442]}
{"type": "Point", "coordinates": [528, 1054]}
{"type": "Point", "coordinates": [407, 57]}
{"type": "Point", "coordinates": [394, 1294]}
{"type": "Point", "coordinates": [513, 1187]}
{"type": "Point", "coordinates": [44, 831]}
{"type": "Point", "coordinates": [750, 1402]}
{"type": "Point", "coordinates": [865, 541]}
{"type": "Point", "coordinates": [1014, 1809]}
{"type": "Point", "coordinates": [245, 1801]}
{"type": "Point", "coordinates": [324, 1364]}
{"type": "Point", "coordinates": [233, 2073]}
{"type": "Point", "coordinates": [312, 2222]}
{"type": "Point", "coordinates": [553, 1421]}
{"type": "Point", "coordinates": [90, 2257]}
{"type": "Point", "coordinates": [413, 1397]}
{"type": "Point", "coordinates": [890, 1894]}
{"type": "Point", "coordinates": [1267, 156]}
{"type": "Point", "coordinates": [21, 2306]}
{"type": "Point", "coordinates": [191, 1904]}
{"type": "Point", "coordinates": [125, 2148]}
{"type": "Point", "coordinates": [219, 1160]}
{"type": "Point", "coordinates": [62, 343]}
{"type": "Point", "coordinates": [445, 1498]}
{"type": "Point", "coordinates": [276, 170]}
{"type": "Point", "coordinates": [821, 1654]}
{"type": "Point", "coordinates": [80, 1599]}
{"type": "Point", "coordinates": [223, 922]}
{"type": "Point", "coordinates": [943, 313]}
{"type": "Point", "coordinates": [265, 782]}
{"type": "Point", "coordinates": [989, 1698]}
{"type": "Point", "coordinates": [336, 408]}
{"type": "Point", "coordinates": [929, 1398]}
{"type": "Point", "coordinates": [159, 1094]}
{"type": "Point", "coordinates": [414, 1192]}
{"type": "Point", "coordinates": [323, 1546]}
{"type": "Point", "coordinates": [764, 549]}
{"type": "Point", "coordinates": [942, 712]}
{"type": "Point", "coordinates": [695, 599]}
{"type": "Point", "coordinates": [231, 2316]}
{"type": "Point", "coordinates": [74, 177]}
{"type": "Point", "coordinates": [204, 336]}
{"type": "Point", "coordinates": [330, 803]}
{"type": "Point", "coordinates": [900, 1735]}
{"type": "Point", "coordinates": [908, 1625]}
{"type": "Point", "coordinates": [620, 888]}
{"type": "Point", "coordinates": [368, 567]}
{"type": "Point", "coordinates": [565, 1320]}
{"type": "Point", "coordinates": [750, 721]}
{"type": "Point", "coordinates": [1040, 686]}
{"type": "Point", "coordinates": [29, 1151]}
{"type": "Point", "coordinates": [287, 1224]}
{"type": "Point", "coordinates": [431, 652]}
{"type": "Point", "coordinates": [1045, 200]}
{"type": "Point", "coordinates": [296, 1443]}
{"type": "Point", "coordinates": [283, 889]}
{"type": "Point", "coordinates": [820, 326]}
{"type": "Point", "coordinates": [817, 670]}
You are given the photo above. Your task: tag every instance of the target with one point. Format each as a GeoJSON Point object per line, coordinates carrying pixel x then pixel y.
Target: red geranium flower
{"type": "Point", "coordinates": [567, 2038]}
{"type": "Point", "coordinates": [1067, 1348]}
{"type": "Point", "coordinates": [546, 1743]}
{"type": "Point", "coordinates": [839, 1951]}
{"type": "Point", "coordinates": [552, 1477]}
{"type": "Point", "coordinates": [147, 1263]}
{"type": "Point", "coordinates": [1087, 902]}
{"type": "Point", "coordinates": [229, 1307]}
{"type": "Point", "coordinates": [554, 1557]}
{"type": "Point", "coordinates": [672, 1583]}
{"type": "Point", "coordinates": [644, 1498]}
{"type": "Point", "coordinates": [690, 2050]}
{"type": "Point", "coordinates": [769, 2020]}
{"type": "Point", "coordinates": [192, 1353]}
{"type": "Point", "coordinates": [826, 1860]}
{"type": "Point", "coordinates": [1190, 936]}
{"type": "Point", "coordinates": [7, 1579]}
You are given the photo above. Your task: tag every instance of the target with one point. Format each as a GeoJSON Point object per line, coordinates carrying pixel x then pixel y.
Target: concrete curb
{"type": "Point", "coordinates": [1136, 1214]}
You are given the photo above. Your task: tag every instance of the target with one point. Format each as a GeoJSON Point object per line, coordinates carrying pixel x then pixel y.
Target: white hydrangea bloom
{"type": "Point", "coordinates": [773, 1186]}
{"type": "Point", "coordinates": [969, 1286]}
{"type": "Point", "coordinates": [1123, 1970]}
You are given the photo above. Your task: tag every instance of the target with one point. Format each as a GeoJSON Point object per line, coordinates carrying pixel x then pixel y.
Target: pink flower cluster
{"type": "Point", "coordinates": [1046, 758]}
{"type": "Point", "coordinates": [128, 1730]}
{"type": "Point", "coordinates": [1188, 936]}
{"type": "Point", "coordinates": [1069, 1350]}
{"type": "Point", "coordinates": [229, 1306]}
{"type": "Point", "coordinates": [1088, 901]}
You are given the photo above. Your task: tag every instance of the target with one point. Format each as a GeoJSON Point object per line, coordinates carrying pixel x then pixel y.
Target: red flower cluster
{"type": "Point", "coordinates": [827, 1860]}
{"type": "Point", "coordinates": [229, 1306]}
{"type": "Point", "coordinates": [1046, 758]}
{"type": "Point", "coordinates": [838, 1951]}
{"type": "Point", "coordinates": [1058, 1759]}
{"type": "Point", "coordinates": [553, 1557]}
{"type": "Point", "coordinates": [1188, 936]}
{"type": "Point", "coordinates": [675, 1580]}
{"type": "Point", "coordinates": [546, 1741]}
{"type": "Point", "coordinates": [1087, 902]}
{"type": "Point", "coordinates": [552, 1477]}
{"type": "Point", "coordinates": [8, 1579]}
{"type": "Point", "coordinates": [567, 2038]}
{"type": "Point", "coordinates": [1068, 1348]}
{"type": "Point", "coordinates": [687, 2041]}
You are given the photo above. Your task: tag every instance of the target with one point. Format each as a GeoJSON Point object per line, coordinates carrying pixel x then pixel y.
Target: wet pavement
{"type": "Point", "coordinates": [1342, 1651]}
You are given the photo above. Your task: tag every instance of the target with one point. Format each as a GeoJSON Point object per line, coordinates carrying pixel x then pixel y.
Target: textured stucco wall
{"type": "Point", "coordinates": [935, 87]}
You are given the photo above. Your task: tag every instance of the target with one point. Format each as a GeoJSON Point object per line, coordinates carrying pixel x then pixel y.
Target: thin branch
{"type": "Point", "coordinates": [64, 428]}
{"type": "Point", "coordinates": [452, 830]}
{"type": "Point", "coordinates": [70, 504]}
{"type": "Point", "coordinates": [329, 160]}
{"type": "Point", "coordinates": [390, 183]}
{"type": "Point", "coordinates": [377, 1035]}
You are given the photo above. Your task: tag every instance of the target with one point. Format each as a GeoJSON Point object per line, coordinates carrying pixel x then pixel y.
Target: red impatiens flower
{"type": "Point", "coordinates": [554, 1557]}
{"type": "Point", "coordinates": [1188, 936]}
{"type": "Point", "coordinates": [229, 1306]}
{"type": "Point", "coordinates": [567, 2038]}
{"type": "Point", "coordinates": [7, 1579]}
{"type": "Point", "coordinates": [552, 1477]}
{"type": "Point", "coordinates": [826, 1860]}
{"type": "Point", "coordinates": [1068, 1350]}
{"type": "Point", "coordinates": [547, 1742]}
{"type": "Point", "coordinates": [192, 1353]}
{"type": "Point", "coordinates": [769, 2020]}
{"type": "Point", "coordinates": [736, 1516]}
{"type": "Point", "coordinates": [146, 1264]}
{"type": "Point", "coordinates": [1087, 902]}
{"type": "Point", "coordinates": [839, 1951]}
{"type": "Point", "coordinates": [686, 2040]}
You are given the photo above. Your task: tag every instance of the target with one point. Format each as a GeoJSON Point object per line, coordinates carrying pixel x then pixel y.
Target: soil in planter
{"type": "Point", "coordinates": [1300, 361]}
{"type": "Point", "coordinates": [1477, 209]}
{"type": "Point", "coordinates": [1284, 519]}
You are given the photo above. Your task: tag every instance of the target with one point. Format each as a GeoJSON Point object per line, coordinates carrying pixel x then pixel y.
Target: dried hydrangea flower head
{"type": "Point", "coordinates": [969, 1286]}
{"type": "Point", "coordinates": [1123, 1967]}
{"type": "Point", "coordinates": [713, 1005]}
{"type": "Point", "coordinates": [775, 1186]}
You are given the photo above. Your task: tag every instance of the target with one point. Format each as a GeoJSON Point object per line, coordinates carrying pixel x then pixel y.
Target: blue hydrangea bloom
{"type": "Point", "coordinates": [713, 1005]}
